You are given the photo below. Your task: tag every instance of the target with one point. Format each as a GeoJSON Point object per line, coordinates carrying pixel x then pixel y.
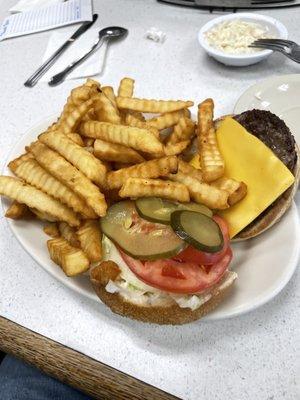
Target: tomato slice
{"type": "Point", "coordinates": [192, 255]}
{"type": "Point", "coordinates": [178, 277]}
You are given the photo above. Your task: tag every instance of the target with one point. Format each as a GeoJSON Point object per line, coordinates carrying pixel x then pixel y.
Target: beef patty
{"type": "Point", "coordinates": [271, 130]}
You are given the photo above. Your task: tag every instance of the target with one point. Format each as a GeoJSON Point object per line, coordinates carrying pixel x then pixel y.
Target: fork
{"type": "Point", "coordinates": [287, 47]}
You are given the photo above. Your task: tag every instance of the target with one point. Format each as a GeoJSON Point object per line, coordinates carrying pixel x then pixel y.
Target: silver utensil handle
{"type": "Point", "coordinates": [273, 47]}
{"type": "Point", "coordinates": [58, 78]}
{"type": "Point", "coordinates": [47, 64]}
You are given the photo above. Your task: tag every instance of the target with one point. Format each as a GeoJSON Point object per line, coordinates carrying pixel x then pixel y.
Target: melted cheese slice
{"type": "Point", "coordinates": [249, 160]}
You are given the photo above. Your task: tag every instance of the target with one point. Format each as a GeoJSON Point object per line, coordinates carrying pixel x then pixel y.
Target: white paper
{"type": "Point", "coordinates": [156, 35]}
{"type": "Point", "coordinates": [92, 66]}
{"type": "Point", "coordinates": [25, 5]}
{"type": "Point", "coordinates": [45, 18]}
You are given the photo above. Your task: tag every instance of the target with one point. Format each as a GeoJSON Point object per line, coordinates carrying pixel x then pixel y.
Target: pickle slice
{"type": "Point", "coordinates": [159, 210]}
{"type": "Point", "coordinates": [197, 229]}
{"type": "Point", "coordinates": [137, 237]}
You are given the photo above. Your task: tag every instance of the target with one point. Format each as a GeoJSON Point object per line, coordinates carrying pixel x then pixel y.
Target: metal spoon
{"type": "Point", "coordinates": [111, 32]}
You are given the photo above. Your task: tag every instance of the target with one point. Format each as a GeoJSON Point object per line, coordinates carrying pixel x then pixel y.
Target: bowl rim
{"type": "Point", "coordinates": [278, 25]}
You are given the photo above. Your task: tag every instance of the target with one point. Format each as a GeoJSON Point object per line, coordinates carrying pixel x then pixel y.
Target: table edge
{"type": "Point", "coordinates": [69, 366]}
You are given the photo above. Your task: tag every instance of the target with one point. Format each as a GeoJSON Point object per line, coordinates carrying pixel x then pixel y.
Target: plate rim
{"type": "Point", "coordinates": [69, 283]}
{"type": "Point", "coordinates": [291, 267]}
{"type": "Point", "coordinates": [266, 83]}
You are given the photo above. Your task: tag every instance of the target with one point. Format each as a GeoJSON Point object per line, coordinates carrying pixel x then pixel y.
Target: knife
{"type": "Point", "coordinates": [48, 63]}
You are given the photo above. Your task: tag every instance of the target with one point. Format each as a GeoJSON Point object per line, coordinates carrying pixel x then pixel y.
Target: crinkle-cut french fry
{"type": "Point", "coordinates": [90, 149]}
{"type": "Point", "coordinates": [138, 115]}
{"type": "Point", "coordinates": [108, 164]}
{"type": "Point", "coordinates": [78, 96]}
{"type": "Point", "coordinates": [12, 165]}
{"type": "Point", "coordinates": [139, 139]}
{"type": "Point", "coordinates": [166, 120]}
{"type": "Point", "coordinates": [70, 176]}
{"type": "Point", "coordinates": [152, 106]}
{"type": "Point", "coordinates": [17, 211]}
{"type": "Point", "coordinates": [72, 260]}
{"type": "Point", "coordinates": [89, 116]}
{"type": "Point", "coordinates": [186, 113]}
{"type": "Point", "coordinates": [116, 152]}
{"type": "Point", "coordinates": [52, 127]}
{"type": "Point", "coordinates": [200, 192]}
{"type": "Point", "coordinates": [126, 87]}
{"type": "Point", "coordinates": [148, 169]}
{"type": "Point", "coordinates": [32, 197]}
{"type": "Point", "coordinates": [183, 130]}
{"type": "Point", "coordinates": [76, 155]}
{"type": "Point", "coordinates": [31, 172]}
{"type": "Point", "coordinates": [132, 120]}
{"type": "Point", "coordinates": [109, 93]}
{"type": "Point", "coordinates": [51, 229]}
{"type": "Point", "coordinates": [69, 233]}
{"type": "Point", "coordinates": [68, 108]}
{"type": "Point", "coordinates": [171, 149]}
{"type": "Point", "coordinates": [138, 187]}
{"type": "Point", "coordinates": [72, 119]}
{"type": "Point", "coordinates": [106, 110]}
{"type": "Point", "coordinates": [104, 272]}
{"type": "Point", "coordinates": [75, 137]}
{"type": "Point", "coordinates": [211, 160]}
{"type": "Point", "coordinates": [92, 83]}
{"type": "Point", "coordinates": [90, 239]}
{"type": "Point", "coordinates": [188, 169]}
{"type": "Point", "coordinates": [43, 216]}
{"type": "Point", "coordinates": [82, 93]}
{"type": "Point", "coordinates": [88, 142]}
{"type": "Point", "coordinates": [120, 165]}
{"type": "Point", "coordinates": [237, 190]}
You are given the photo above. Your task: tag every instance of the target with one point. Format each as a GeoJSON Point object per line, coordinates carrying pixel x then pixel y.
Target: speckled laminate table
{"type": "Point", "coordinates": [255, 356]}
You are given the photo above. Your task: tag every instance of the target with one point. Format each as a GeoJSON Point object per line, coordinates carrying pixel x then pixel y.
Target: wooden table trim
{"type": "Point", "coordinates": [92, 377]}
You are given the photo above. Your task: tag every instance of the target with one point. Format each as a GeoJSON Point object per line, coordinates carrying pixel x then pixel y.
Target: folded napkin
{"type": "Point", "coordinates": [26, 5]}
{"type": "Point", "coordinates": [94, 65]}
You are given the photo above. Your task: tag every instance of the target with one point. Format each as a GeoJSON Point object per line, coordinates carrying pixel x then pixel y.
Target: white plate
{"type": "Point", "coordinates": [280, 95]}
{"type": "Point", "coordinates": [264, 264]}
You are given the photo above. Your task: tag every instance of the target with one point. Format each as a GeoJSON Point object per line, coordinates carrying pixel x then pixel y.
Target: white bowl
{"type": "Point", "coordinates": [276, 28]}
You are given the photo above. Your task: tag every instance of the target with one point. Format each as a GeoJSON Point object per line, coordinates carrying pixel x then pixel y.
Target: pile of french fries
{"type": "Point", "coordinates": [103, 149]}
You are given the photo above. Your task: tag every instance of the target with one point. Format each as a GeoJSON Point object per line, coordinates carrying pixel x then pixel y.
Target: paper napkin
{"type": "Point", "coordinates": [92, 66]}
